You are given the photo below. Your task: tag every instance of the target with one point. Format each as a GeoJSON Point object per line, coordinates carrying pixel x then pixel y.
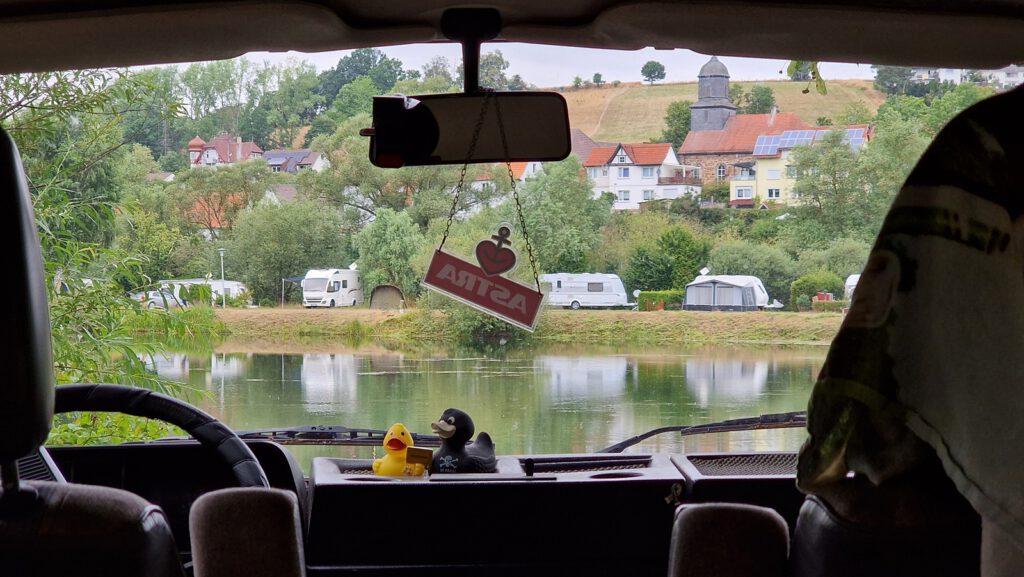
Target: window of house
{"type": "Point", "coordinates": [790, 171]}
{"type": "Point", "coordinates": [745, 192]}
{"type": "Point", "coordinates": [624, 196]}
{"type": "Point", "coordinates": [620, 159]}
{"type": "Point", "coordinates": [648, 194]}
{"type": "Point", "coordinates": [623, 172]}
{"type": "Point", "coordinates": [773, 174]}
{"type": "Point", "coordinates": [595, 287]}
{"type": "Point", "coordinates": [648, 172]}
{"type": "Point", "coordinates": [720, 171]}
{"type": "Point", "coordinates": [773, 193]}
{"type": "Point", "coordinates": [275, 169]}
{"type": "Point", "coordinates": [604, 171]}
{"type": "Point", "coordinates": [592, 172]}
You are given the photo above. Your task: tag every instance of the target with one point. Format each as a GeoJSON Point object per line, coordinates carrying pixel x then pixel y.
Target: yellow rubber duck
{"type": "Point", "coordinates": [393, 464]}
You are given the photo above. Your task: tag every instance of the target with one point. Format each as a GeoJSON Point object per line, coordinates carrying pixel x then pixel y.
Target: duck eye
{"type": "Point", "coordinates": [451, 420]}
{"type": "Point", "coordinates": [403, 433]}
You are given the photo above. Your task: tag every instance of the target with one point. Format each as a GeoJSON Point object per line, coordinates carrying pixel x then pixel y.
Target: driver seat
{"type": "Point", "coordinates": [49, 528]}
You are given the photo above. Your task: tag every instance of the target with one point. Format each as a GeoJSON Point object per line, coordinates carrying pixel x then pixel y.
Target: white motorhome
{"type": "Point", "coordinates": [583, 290]}
{"type": "Point", "coordinates": [331, 287]}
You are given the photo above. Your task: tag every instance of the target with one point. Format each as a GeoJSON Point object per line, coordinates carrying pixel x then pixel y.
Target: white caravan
{"type": "Point", "coordinates": [331, 287]}
{"type": "Point", "coordinates": [583, 290]}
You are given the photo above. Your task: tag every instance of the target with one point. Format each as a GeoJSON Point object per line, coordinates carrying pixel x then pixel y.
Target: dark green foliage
{"type": "Point", "coordinates": [658, 300]}
{"type": "Point", "coordinates": [760, 100]}
{"type": "Point", "coordinates": [653, 71]}
{"type": "Point", "coordinates": [811, 284]}
{"type": "Point", "coordinates": [772, 265]}
{"type": "Point", "coordinates": [648, 269]}
{"type": "Point", "coordinates": [677, 123]}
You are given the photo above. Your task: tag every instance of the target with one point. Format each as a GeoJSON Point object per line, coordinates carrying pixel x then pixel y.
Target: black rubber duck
{"type": "Point", "coordinates": [455, 429]}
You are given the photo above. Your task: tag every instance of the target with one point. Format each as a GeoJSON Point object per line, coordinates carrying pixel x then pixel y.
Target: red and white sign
{"type": "Point", "coordinates": [513, 302]}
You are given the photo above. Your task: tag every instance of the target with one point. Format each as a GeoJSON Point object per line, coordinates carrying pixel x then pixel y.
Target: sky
{"type": "Point", "coordinates": [549, 66]}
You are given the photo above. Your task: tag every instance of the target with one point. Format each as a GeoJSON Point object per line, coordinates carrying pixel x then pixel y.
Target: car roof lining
{"type": "Point", "coordinates": [37, 35]}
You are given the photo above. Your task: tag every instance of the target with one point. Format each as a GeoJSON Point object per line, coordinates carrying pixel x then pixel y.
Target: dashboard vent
{"type": "Point", "coordinates": [745, 465]}
{"type": "Point", "coordinates": [34, 468]}
{"type": "Point", "coordinates": [587, 464]}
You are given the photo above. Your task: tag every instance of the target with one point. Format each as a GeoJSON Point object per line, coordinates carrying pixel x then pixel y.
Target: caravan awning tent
{"type": "Point", "coordinates": [726, 292]}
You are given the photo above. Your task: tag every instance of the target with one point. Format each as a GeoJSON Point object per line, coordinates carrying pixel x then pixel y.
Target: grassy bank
{"type": "Point", "coordinates": [592, 327]}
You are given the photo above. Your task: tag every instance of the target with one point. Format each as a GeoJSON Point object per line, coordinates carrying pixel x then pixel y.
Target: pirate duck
{"type": "Point", "coordinates": [455, 429]}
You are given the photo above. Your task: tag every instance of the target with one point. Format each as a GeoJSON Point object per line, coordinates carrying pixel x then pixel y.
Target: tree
{"type": "Point", "coordinates": [813, 283]}
{"type": "Point", "coordinates": [772, 265]}
{"type": "Point", "coordinates": [386, 247]}
{"type": "Point", "coordinates": [517, 83]}
{"type": "Point", "coordinates": [577, 83]}
{"type": "Point", "coordinates": [271, 242]}
{"type": "Point", "coordinates": [800, 71]}
{"type": "Point", "coordinates": [371, 62]}
{"type": "Point", "coordinates": [892, 79]}
{"type": "Point", "coordinates": [211, 198]}
{"type": "Point", "coordinates": [688, 254]}
{"type": "Point", "coordinates": [354, 98]}
{"type": "Point", "coordinates": [831, 186]}
{"type": "Point", "coordinates": [562, 216]}
{"type": "Point", "coordinates": [677, 122]}
{"type": "Point", "coordinates": [293, 103]}
{"type": "Point", "coordinates": [492, 71]}
{"type": "Point", "coordinates": [652, 71]}
{"type": "Point", "coordinates": [438, 67]}
{"type": "Point", "coordinates": [760, 100]}
{"type": "Point", "coordinates": [737, 97]}
{"type": "Point", "coordinates": [843, 258]}
{"type": "Point", "coordinates": [648, 269]}
{"type": "Point", "coordinates": [598, 80]}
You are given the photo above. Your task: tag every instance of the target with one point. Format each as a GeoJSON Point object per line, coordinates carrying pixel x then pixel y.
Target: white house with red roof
{"type": "Point", "coordinates": [637, 173]}
{"type": "Point", "coordinates": [222, 150]}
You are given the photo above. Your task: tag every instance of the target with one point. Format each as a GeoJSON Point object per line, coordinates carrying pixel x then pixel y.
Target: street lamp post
{"type": "Point", "coordinates": [223, 294]}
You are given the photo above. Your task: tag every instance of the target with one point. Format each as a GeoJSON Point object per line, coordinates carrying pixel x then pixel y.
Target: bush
{"type": "Point", "coordinates": [829, 306]}
{"type": "Point", "coordinates": [657, 300]}
{"type": "Point", "coordinates": [813, 283]}
{"type": "Point", "coordinates": [803, 303]}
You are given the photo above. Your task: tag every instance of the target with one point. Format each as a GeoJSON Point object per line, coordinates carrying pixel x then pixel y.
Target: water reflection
{"type": "Point", "coordinates": [715, 380]}
{"type": "Point", "coordinates": [559, 400]}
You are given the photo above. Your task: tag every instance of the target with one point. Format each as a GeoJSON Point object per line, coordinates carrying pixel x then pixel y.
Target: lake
{"type": "Point", "coordinates": [553, 399]}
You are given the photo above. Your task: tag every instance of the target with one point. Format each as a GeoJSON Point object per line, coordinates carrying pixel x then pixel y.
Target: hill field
{"type": "Point", "coordinates": [635, 112]}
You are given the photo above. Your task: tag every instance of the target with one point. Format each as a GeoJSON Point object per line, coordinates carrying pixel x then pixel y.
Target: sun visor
{"type": "Point", "coordinates": [26, 391]}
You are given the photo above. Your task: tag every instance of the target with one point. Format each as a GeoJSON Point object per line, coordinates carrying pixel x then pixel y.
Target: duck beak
{"type": "Point", "coordinates": [395, 444]}
{"type": "Point", "coordinates": [443, 429]}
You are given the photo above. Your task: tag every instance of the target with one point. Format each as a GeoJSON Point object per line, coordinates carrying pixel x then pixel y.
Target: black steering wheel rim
{"type": "Point", "coordinates": [210, 432]}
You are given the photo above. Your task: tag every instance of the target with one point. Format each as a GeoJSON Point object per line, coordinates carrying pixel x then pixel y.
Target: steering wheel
{"type": "Point", "coordinates": [210, 432]}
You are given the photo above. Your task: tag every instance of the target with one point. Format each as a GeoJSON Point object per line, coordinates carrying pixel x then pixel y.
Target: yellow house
{"type": "Point", "coordinates": [769, 178]}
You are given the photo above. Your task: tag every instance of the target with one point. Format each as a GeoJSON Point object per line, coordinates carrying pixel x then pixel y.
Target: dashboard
{"type": "Point", "coordinates": [594, 514]}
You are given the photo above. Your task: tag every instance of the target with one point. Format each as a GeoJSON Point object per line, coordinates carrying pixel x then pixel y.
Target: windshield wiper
{"type": "Point", "coordinates": [770, 421]}
{"type": "Point", "coordinates": [331, 435]}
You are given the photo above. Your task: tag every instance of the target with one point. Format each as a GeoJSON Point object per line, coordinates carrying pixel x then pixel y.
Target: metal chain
{"type": "Point", "coordinates": [515, 196]}
{"type": "Point", "coordinates": [465, 166]}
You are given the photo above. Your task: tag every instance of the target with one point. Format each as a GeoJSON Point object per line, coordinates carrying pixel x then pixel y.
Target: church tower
{"type": "Point", "coordinates": [713, 107]}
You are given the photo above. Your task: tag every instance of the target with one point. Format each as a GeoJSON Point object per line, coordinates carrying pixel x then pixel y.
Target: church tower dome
{"type": "Point", "coordinates": [713, 108]}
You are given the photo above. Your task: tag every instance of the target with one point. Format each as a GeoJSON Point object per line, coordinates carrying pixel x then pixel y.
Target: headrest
{"type": "Point", "coordinates": [26, 389]}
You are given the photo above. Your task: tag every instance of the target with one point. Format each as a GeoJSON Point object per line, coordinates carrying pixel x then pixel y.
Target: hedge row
{"type": "Point", "coordinates": [658, 300]}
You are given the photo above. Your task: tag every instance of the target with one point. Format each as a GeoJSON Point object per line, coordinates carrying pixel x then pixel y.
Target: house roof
{"type": "Point", "coordinates": [583, 144]}
{"type": "Point", "coordinates": [518, 168]}
{"type": "Point", "coordinates": [227, 148]}
{"type": "Point", "coordinates": [288, 160]}
{"type": "Point", "coordinates": [740, 133]}
{"type": "Point", "coordinates": [285, 193]}
{"type": "Point", "coordinates": [160, 176]}
{"type": "Point", "coordinates": [640, 154]}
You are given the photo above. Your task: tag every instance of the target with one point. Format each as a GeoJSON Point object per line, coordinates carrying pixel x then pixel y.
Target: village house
{"type": "Point", "coordinates": [637, 173]}
{"type": "Point", "coordinates": [719, 139]}
{"type": "Point", "coordinates": [294, 161]}
{"type": "Point", "coordinates": [769, 176]}
{"type": "Point", "coordinates": [222, 150]}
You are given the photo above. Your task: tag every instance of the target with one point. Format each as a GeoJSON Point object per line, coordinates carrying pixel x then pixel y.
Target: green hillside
{"type": "Point", "coordinates": [636, 113]}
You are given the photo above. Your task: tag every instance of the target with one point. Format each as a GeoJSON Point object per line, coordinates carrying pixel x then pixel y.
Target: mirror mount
{"type": "Point", "coordinates": [470, 27]}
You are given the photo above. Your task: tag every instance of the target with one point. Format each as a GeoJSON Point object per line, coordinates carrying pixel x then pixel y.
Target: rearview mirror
{"type": "Point", "coordinates": [441, 128]}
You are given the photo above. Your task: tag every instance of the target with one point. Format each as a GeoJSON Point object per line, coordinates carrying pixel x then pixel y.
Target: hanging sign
{"type": "Point", "coordinates": [482, 287]}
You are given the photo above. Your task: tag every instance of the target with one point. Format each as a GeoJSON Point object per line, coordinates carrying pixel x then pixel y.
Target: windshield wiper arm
{"type": "Point", "coordinates": [331, 435]}
{"type": "Point", "coordinates": [770, 421]}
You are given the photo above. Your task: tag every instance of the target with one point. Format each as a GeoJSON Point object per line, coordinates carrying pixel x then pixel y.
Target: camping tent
{"type": "Point", "coordinates": [726, 293]}
{"type": "Point", "coordinates": [387, 296]}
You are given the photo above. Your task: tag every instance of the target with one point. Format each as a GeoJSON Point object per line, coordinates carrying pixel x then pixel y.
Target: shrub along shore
{"type": "Point", "coordinates": [561, 326]}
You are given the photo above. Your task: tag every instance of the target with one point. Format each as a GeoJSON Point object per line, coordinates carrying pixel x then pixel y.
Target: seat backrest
{"type": "Point", "coordinates": [247, 532]}
{"type": "Point", "coordinates": [50, 528]}
{"type": "Point", "coordinates": [728, 540]}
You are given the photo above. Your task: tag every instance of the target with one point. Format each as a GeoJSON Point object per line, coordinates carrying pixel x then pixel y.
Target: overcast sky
{"type": "Point", "coordinates": [547, 66]}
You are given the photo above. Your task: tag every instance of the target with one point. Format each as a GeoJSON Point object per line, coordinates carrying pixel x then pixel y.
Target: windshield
{"type": "Point", "coordinates": [314, 284]}
{"type": "Point", "coordinates": [700, 245]}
